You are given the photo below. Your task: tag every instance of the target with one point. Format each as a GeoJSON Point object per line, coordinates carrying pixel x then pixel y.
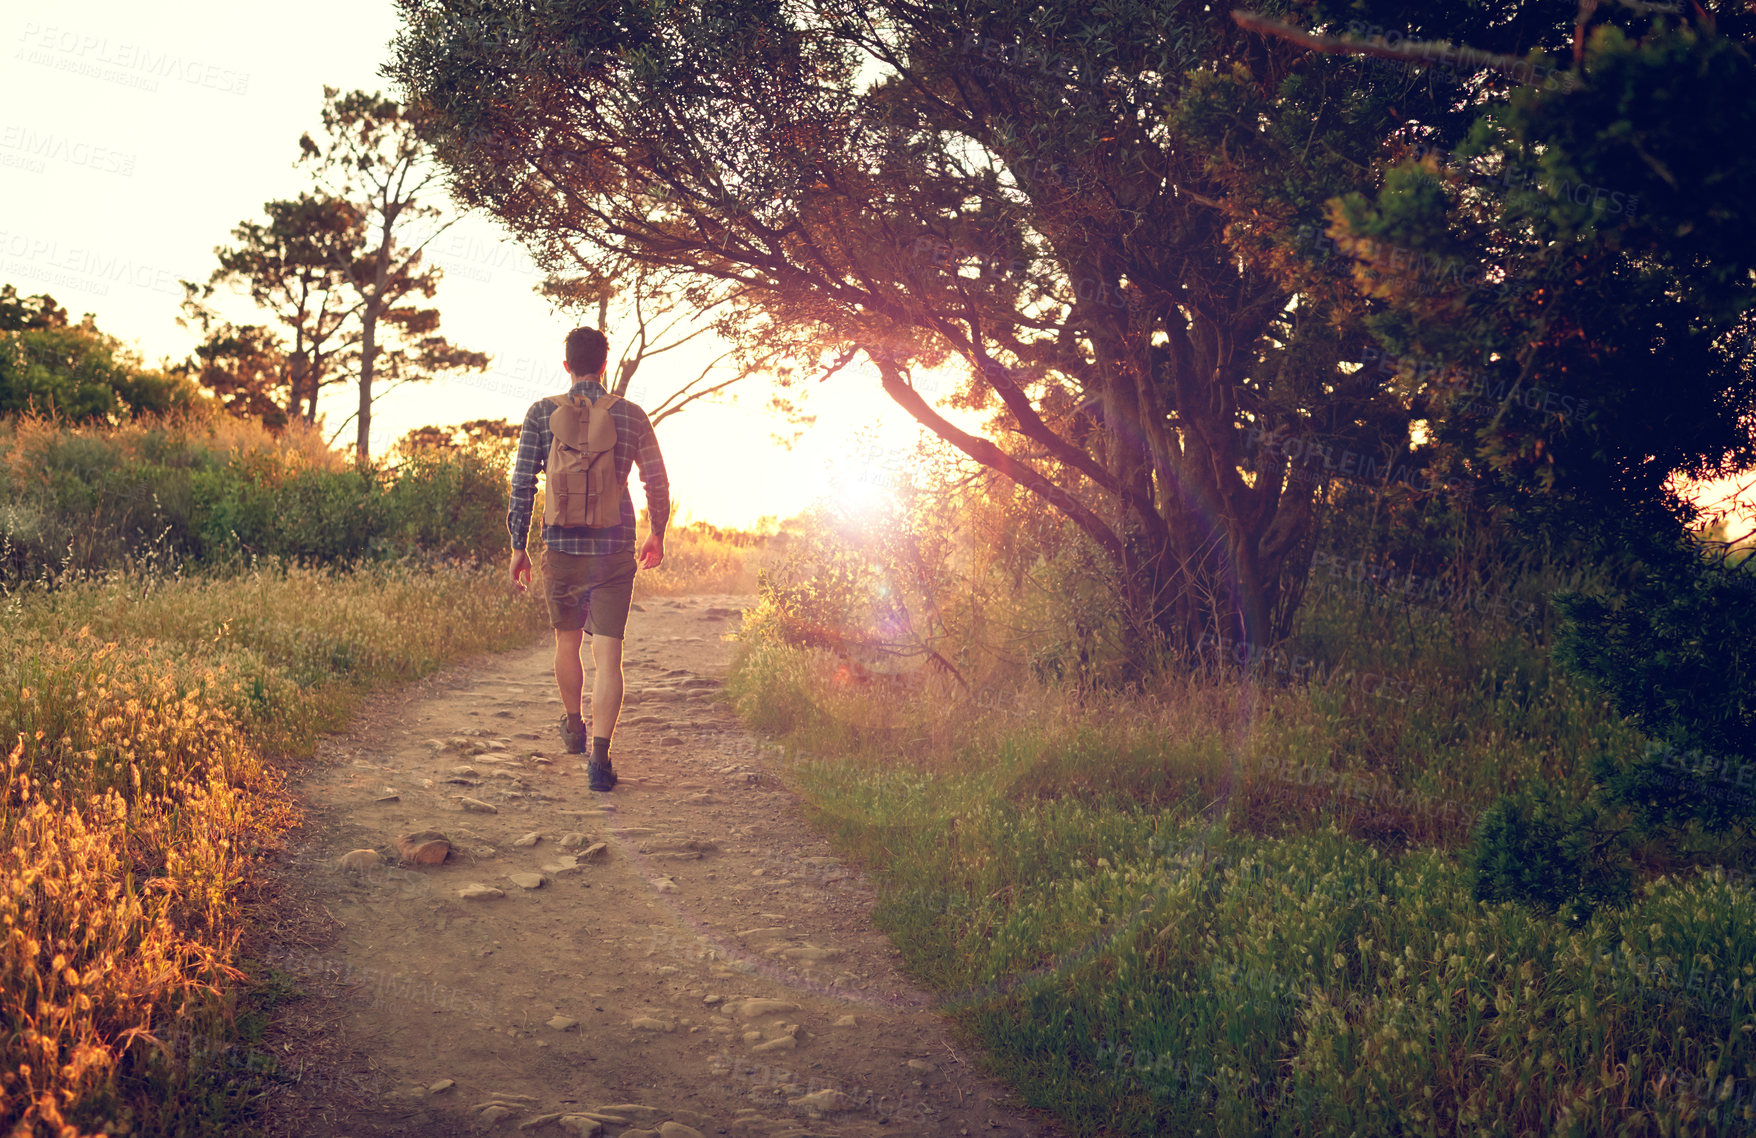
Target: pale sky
{"type": "Point", "coordinates": [136, 135]}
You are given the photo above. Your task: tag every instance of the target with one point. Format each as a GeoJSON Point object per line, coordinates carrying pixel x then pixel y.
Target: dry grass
{"type": "Point", "coordinates": [146, 718]}
{"type": "Point", "coordinates": [703, 558]}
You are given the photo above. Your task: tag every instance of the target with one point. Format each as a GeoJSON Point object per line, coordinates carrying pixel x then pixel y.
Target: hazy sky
{"type": "Point", "coordinates": [135, 136]}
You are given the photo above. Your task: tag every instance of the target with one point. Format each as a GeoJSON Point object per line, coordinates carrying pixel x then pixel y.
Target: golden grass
{"type": "Point", "coordinates": [703, 558]}
{"type": "Point", "coordinates": [145, 720]}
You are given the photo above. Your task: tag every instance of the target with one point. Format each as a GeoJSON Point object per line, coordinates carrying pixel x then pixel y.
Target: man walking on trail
{"type": "Point", "coordinates": [588, 533]}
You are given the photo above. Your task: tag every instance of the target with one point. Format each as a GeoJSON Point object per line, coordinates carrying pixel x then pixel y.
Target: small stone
{"type": "Point", "coordinates": [810, 952]}
{"type": "Point", "coordinates": [825, 1100]}
{"type": "Point", "coordinates": [847, 1021]}
{"type": "Point", "coordinates": [441, 1086]}
{"type": "Point", "coordinates": [358, 861]}
{"type": "Point", "coordinates": [573, 840]}
{"type": "Point", "coordinates": [670, 740]}
{"type": "Point", "coordinates": [539, 1120]}
{"type": "Point", "coordinates": [922, 1066]}
{"type": "Point", "coordinates": [759, 1006]}
{"type": "Point", "coordinates": [527, 880]}
{"type": "Point", "coordinates": [493, 1113]}
{"type": "Point", "coordinates": [476, 805]}
{"type": "Point", "coordinates": [390, 797]}
{"type": "Point", "coordinates": [528, 840]}
{"type": "Point", "coordinates": [475, 891]}
{"type": "Point", "coordinates": [597, 851]}
{"type": "Point", "coordinates": [465, 771]}
{"type": "Point", "coordinates": [640, 1132]}
{"type": "Point", "coordinates": [752, 1125]}
{"type": "Point", "coordinates": [784, 1043]}
{"type": "Point", "coordinates": [566, 867]}
{"type": "Point", "coordinates": [582, 1125]}
{"type": "Point", "coordinates": [666, 885]}
{"type": "Point", "coordinates": [563, 1023]}
{"type": "Point", "coordinates": [674, 1129]}
{"type": "Point", "coordinates": [649, 1023]}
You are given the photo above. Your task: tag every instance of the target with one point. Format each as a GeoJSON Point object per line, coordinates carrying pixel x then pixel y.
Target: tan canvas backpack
{"type": "Point", "coordinates": [580, 486]}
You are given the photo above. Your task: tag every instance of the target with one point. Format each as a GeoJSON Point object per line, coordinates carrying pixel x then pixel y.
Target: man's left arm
{"type": "Point", "coordinates": [658, 494]}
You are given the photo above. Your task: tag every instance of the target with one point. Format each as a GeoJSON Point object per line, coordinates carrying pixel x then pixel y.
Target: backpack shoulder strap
{"type": "Point", "coordinates": [608, 401]}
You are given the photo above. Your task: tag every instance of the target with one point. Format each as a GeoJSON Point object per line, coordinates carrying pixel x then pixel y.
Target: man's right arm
{"type": "Point", "coordinates": [525, 466]}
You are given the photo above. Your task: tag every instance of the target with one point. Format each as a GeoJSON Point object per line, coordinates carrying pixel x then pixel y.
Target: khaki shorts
{"type": "Point", "coordinates": [588, 592]}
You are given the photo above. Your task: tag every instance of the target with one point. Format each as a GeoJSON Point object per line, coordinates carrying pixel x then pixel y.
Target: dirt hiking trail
{"type": "Point", "coordinates": [680, 956]}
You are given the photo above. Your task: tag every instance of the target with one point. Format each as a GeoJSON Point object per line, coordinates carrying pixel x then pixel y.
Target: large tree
{"type": "Point", "coordinates": [1097, 210]}
{"type": "Point", "coordinates": [375, 155]}
{"type": "Point", "coordinates": [296, 266]}
{"type": "Point", "coordinates": [245, 368]}
{"type": "Point", "coordinates": [1597, 348]}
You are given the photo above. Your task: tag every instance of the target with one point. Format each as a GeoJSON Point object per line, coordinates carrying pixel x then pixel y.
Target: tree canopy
{"type": "Point", "coordinates": [53, 367]}
{"type": "Point", "coordinates": [1175, 253]}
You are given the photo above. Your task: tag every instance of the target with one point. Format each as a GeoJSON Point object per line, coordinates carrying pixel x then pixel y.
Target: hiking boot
{"type": "Point", "coordinates": [573, 738]}
{"type": "Point", "coordinates": [601, 775]}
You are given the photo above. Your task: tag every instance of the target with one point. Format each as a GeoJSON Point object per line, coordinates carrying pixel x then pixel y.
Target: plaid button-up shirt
{"type": "Point", "coordinates": [635, 444]}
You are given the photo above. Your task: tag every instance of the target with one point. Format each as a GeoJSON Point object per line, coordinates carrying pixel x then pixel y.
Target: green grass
{"type": "Point", "coordinates": [1233, 909]}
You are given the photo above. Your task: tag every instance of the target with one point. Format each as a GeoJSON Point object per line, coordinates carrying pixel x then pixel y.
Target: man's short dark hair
{"type": "Point", "coordinates": [586, 351]}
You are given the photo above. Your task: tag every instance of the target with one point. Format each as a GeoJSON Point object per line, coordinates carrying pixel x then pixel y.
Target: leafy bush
{"type": "Point", "coordinates": [165, 492]}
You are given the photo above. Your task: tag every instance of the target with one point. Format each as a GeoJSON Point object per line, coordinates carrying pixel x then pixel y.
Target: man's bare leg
{"type": "Point", "coordinates": [570, 681]}
{"type": "Point", "coordinates": [606, 686]}
{"type": "Point", "coordinates": [569, 669]}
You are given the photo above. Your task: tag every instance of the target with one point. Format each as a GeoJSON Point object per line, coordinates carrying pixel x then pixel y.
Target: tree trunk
{"type": "Point", "coordinates": [369, 343]}
{"type": "Point", "coordinates": [296, 368]}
